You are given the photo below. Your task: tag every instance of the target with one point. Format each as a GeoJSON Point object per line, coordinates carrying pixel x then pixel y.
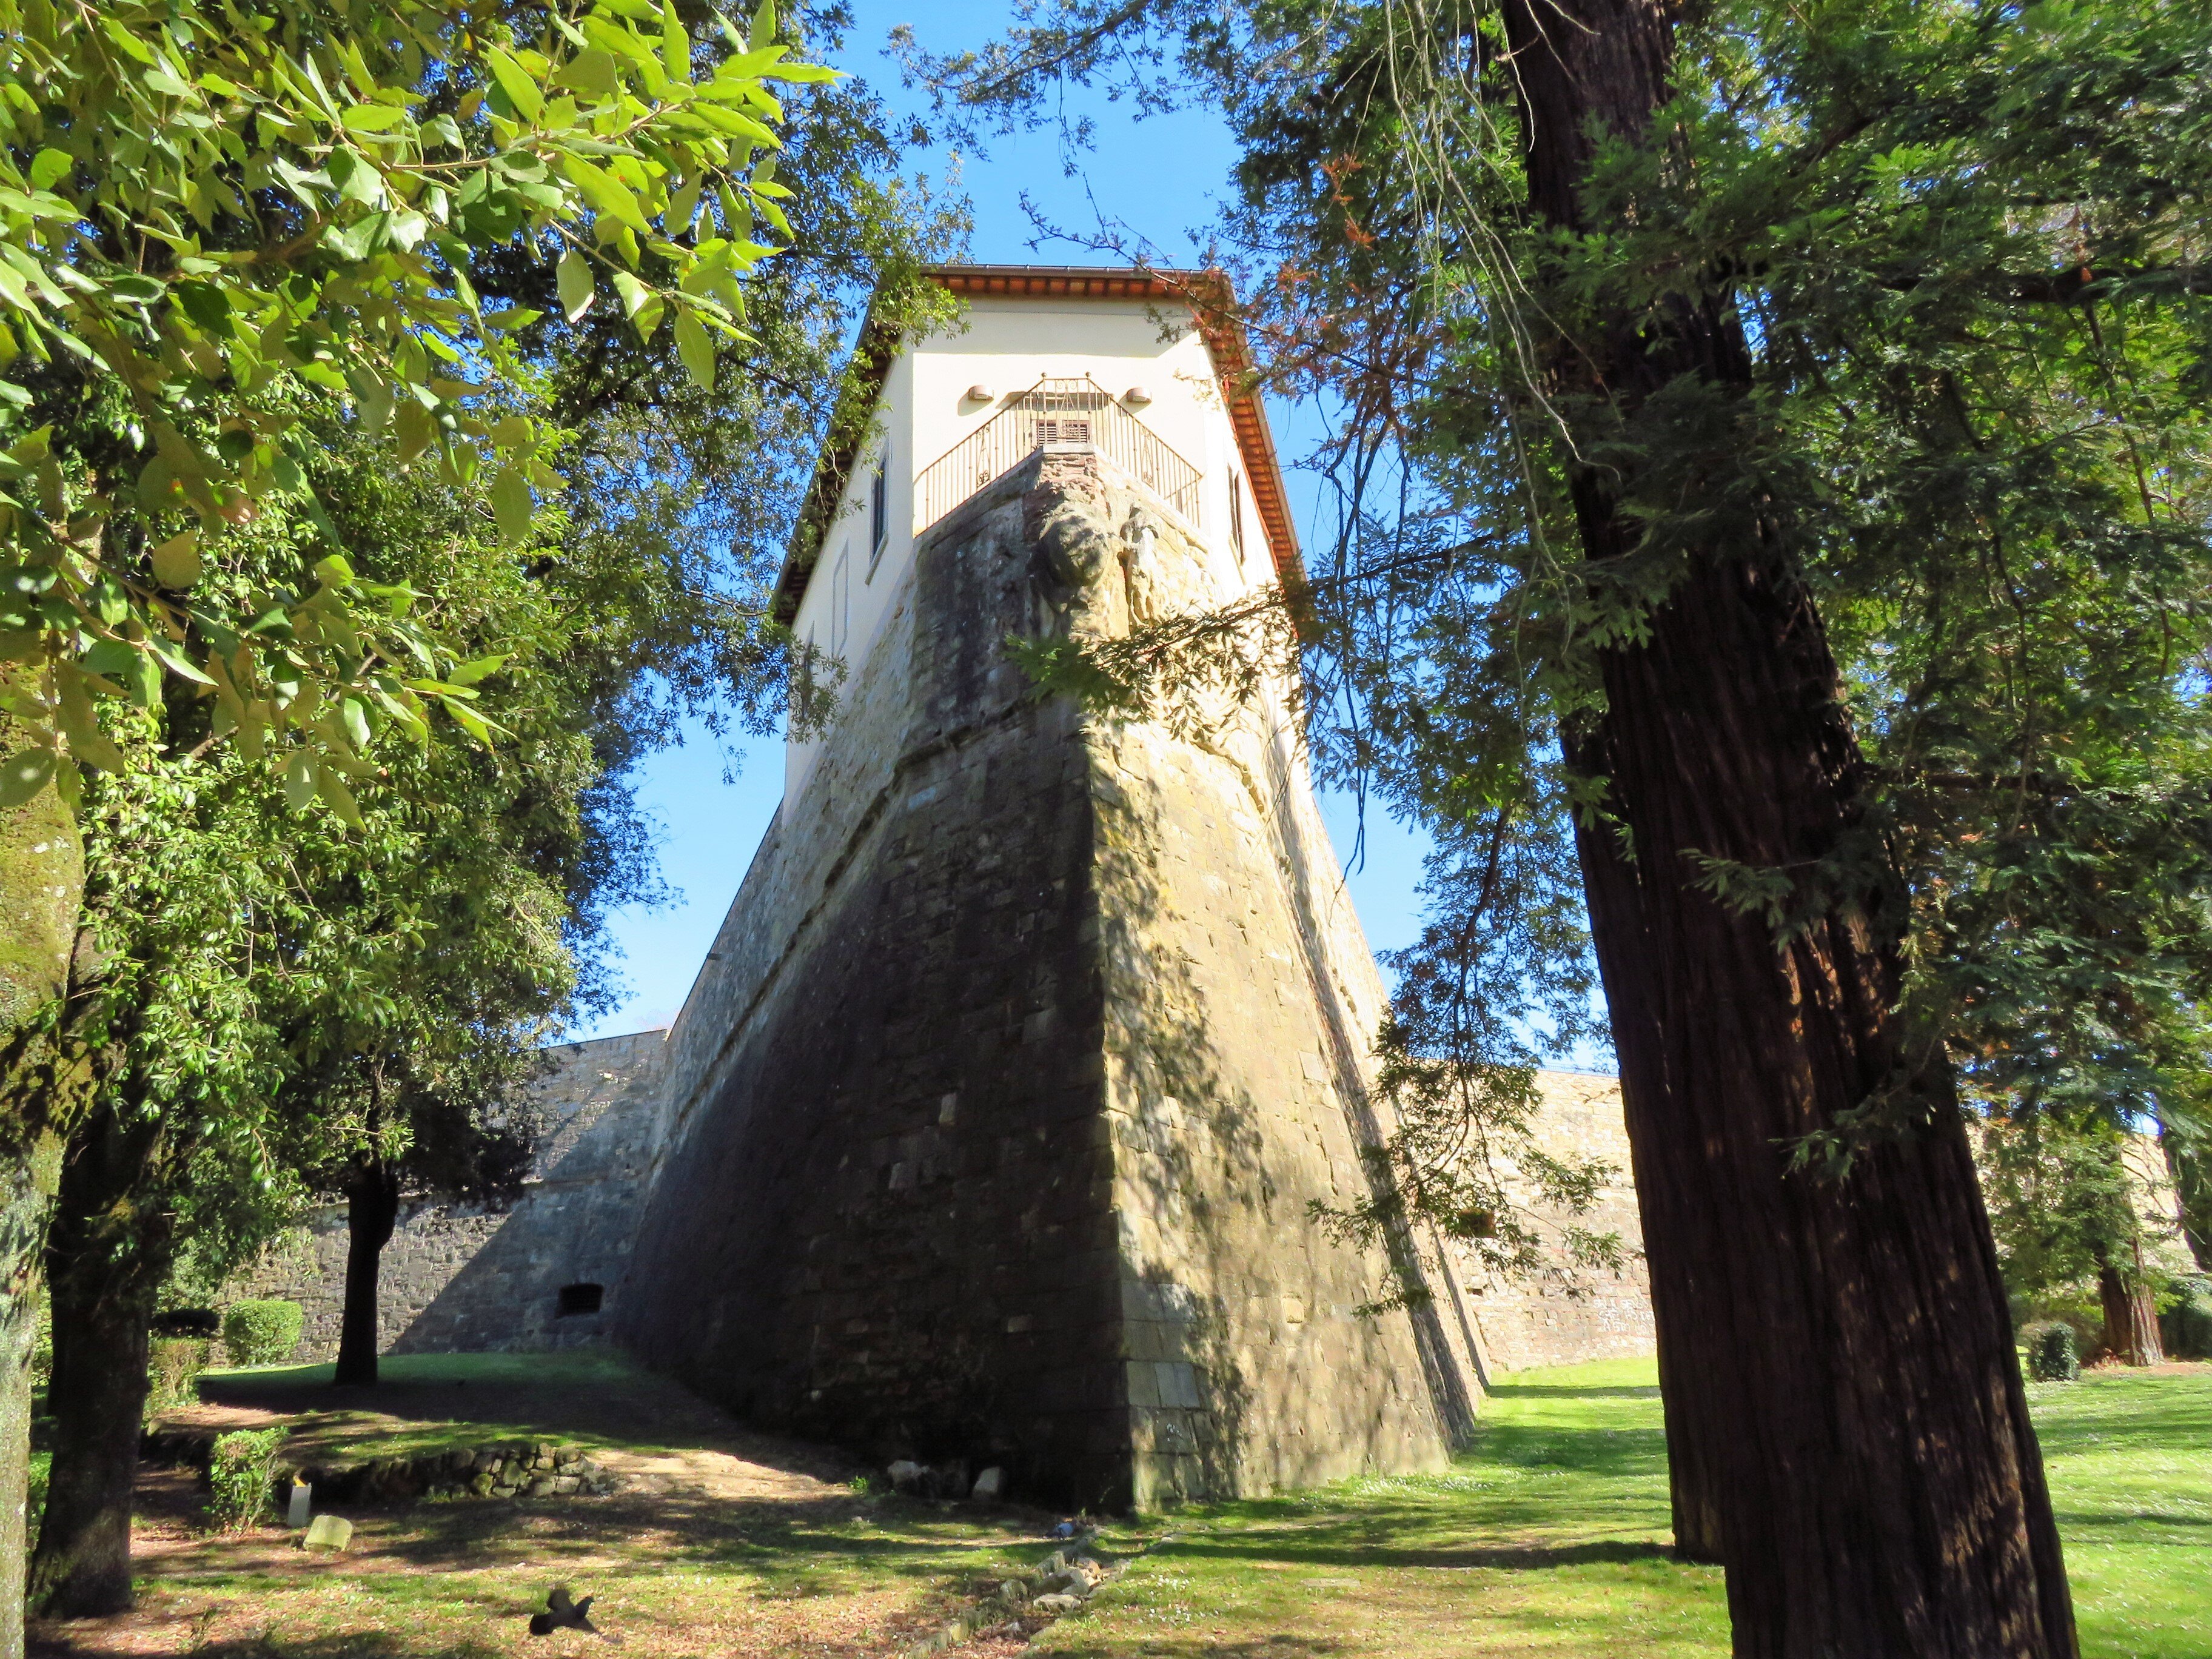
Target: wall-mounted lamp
{"type": "Point", "coordinates": [1138, 395]}
{"type": "Point", "coordinates": [979, 393]}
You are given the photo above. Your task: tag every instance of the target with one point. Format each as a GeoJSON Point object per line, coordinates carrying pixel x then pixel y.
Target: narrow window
{"type": "Point", "coordinates": [580, 1299]}
{"type": "Point", "coordinates": [1236, 512]}
{"type": "Point", "coordinates": [879, 510]}
{"type": "Point", "coordinates": [841, 602]}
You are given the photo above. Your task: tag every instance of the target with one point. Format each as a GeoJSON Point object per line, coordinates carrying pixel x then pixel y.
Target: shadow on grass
{"type": "Point", "coordinates": [1524, 1558]}
{"type": "Point", "coordinates": [456, 1399]}
{"type": "Point", "coordinates": [1551, 1391]}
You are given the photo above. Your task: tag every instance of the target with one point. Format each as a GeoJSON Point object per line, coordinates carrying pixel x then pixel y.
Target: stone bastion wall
{"type": "Point", "coordinates": [467, 1278]}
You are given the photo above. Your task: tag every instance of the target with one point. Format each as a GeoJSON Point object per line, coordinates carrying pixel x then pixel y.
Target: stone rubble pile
{"type": "Point", "coordinates": [1059, 1584]}
{"type": "Point", "coordinates": [543, 1470]}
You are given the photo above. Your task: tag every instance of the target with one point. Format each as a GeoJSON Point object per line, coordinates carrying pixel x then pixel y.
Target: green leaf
{"type": "Point", "coordinates": [470, 672]}
{"type": "Point", "coordinates": [335, 796]}
{"type": "Point", "coordinates": [674, 44]}
{"type": "Point", "coordinates": [697, 347]}
{"type": "Point", "coordinates": [299, 780]}
{"type": "Point", "coordinates": [130, 42]}
{"type": "Point", "coordinates": [573, 277]}
{"type": "Point", "coordinates": [417, 428]}
{"type": "Point", "coordinates": [514, 81]}
{"type": "Point", "coordinates": [373, 118]}
{"type": "Point", "coordinates": [47, 166]}
{"type": "Point", "coordinates": [511, 504]}
{"type": "Point", "coordinates": [763, 29]}
{"type": "Point", "coordinates": [178, 664]}
{"type": "Point", "coordinates": [23, 774]}
{"type": "Point", "coordinates": [470, 722]}
{"type": "Point", "coordinates": [605, 193]}
{"type": "Point", "coordinates": [592, 70]}
{"type": "Point", "coordinates": [355, 715]}
{"type": "Point", "coordinates": [177, 560]}
{"type": "Point", "coordinates": [634, 293]}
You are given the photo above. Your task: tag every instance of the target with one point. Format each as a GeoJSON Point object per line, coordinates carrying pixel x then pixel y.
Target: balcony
{"type": "Point", "coordinates": [1064, 416]}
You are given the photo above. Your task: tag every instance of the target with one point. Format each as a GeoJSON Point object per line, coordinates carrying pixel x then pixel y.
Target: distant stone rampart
{"type": "Point", "coordinates": [465, 1277]}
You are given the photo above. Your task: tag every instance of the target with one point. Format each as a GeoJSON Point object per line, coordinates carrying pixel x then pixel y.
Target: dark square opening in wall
{"type": "Point", "coordinates": [580, 1299]}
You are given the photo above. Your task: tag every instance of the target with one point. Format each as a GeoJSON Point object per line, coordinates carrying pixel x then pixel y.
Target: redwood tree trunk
{"type": "Point", "coordinates": [371, 1208]}
{"type": "Point", "coordinates": [2130, 1316]}
{"type": "Point", "coordinates": [106, 1259]}
{"type": "Point", "coordinates": [1843, 1391]}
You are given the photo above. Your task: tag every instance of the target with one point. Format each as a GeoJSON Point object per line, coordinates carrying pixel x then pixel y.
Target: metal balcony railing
{"type": "Point", "coordinates": [1056, 415]}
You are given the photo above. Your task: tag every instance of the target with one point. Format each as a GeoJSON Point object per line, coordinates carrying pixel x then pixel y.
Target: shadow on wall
{"type": "Point", "coordinates": [548, 1273]}
{"type": "Point", "coordinates": [542, 1271]}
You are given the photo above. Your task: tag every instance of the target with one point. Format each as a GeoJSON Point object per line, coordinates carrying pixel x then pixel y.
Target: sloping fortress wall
{"type": "Point", "coordinates": [995, 1117]}
{"type": "Point", "coordinates": [473, 1279]}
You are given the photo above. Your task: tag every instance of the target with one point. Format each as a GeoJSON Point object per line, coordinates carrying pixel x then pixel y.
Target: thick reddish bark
{"type": "Point", "coordinates": [1842, 1401]}
{"type": "Point", "coordinates": [372, 1209]}
{"type": "Point", "coordinates": [106, 1259]}
{"type": "Point", "coordinates": [2130, 1315]}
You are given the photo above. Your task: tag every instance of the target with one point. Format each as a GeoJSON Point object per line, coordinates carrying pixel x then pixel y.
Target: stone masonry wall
{"type": "Point", "coordinates": [459, 1278]}
{"type": "Point", "coordinates": [1565, 1314]}
{"type": "Point", "coordinates": [882, 1215]}
{"type": "Point", "coordinates": [913, 1194]}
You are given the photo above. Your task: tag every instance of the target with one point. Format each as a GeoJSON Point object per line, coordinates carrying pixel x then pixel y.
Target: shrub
{"type": "Point", "coordinates": [2185, 1326]}
{"type": "Point", "coordinates": [173, 1367]}
{"type": "Point", "coordinates": [241, 1471]}
{"type": "Point", "coordinates": [2053, 1355]}
{"type": "Point", "coordinates": [261, 1333]}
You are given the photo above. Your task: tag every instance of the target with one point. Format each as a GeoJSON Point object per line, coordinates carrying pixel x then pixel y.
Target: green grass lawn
{"type": "Point", "coordinates": [1548, 1539]}
{"type": "Point", "coordinates": [2130, 1457]}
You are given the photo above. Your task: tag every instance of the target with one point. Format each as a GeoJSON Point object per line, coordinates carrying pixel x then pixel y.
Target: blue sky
{"type": "Point", "coordinates": [1161, 179]}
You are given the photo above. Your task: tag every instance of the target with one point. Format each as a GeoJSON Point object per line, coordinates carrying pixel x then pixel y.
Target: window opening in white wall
{"type": "Point", "coordinates": [1236, 512]}
{"type": "Point", "coordinates": [840, 601]}
{"type": "Point", "coordinates": [879, 511]}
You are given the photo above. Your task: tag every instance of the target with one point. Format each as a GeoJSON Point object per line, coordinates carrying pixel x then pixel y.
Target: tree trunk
{"type": "Point", "coordinates": [2130, 1315]}
{"type": "Point", "coordinates": [1842, 1383]}
{"type": "Point", "coordinates": [371, 1208]}
{"type": "Point", "coordinates": [108, 1253]}
{"type": "Point", "coordinates": [42, 1088]}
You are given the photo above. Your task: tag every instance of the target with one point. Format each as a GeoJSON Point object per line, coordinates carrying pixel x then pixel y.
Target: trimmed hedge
{"type": "Point", "coordinates": [2052, 1353]}
{"type": "Point", "coordinates": [2185, 1326]}
{"type": "Point", "coordinates": [262, 1333]}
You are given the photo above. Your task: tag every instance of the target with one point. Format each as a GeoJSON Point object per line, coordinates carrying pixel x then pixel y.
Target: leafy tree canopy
{"type": "Point", "coordinates": [229, 215]}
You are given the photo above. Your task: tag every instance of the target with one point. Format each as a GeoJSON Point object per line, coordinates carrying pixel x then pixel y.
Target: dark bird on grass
{"type": "Point", "coordinates": [563, 1614]}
